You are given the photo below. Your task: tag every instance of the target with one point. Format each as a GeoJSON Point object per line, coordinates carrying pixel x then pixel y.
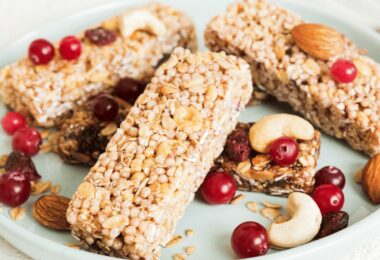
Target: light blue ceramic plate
{"type": "Point", "coordinates": [213, 225]}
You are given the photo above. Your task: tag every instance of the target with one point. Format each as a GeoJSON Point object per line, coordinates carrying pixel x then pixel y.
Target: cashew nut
{"type": "Point", "coordinates": [271, 127]}
{"type": "Point", "coordinates": [303, 226]}
{"type": "Point", "coordinates": [139, 19]}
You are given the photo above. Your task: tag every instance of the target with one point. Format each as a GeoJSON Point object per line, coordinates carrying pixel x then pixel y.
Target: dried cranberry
{"type": "Point", "coordinates": [333, 222]}
{"type": "Point", "coordinates": [237, 146]}
{"type": "Point", "coordinates": [100, 36]}
{"type": "Point", "coordinates": [129, 89]}
{"type": "Point", "coordinates": [22, 163]}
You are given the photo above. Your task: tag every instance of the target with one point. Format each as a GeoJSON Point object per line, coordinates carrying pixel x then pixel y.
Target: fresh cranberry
{"type": "Point", "coordinates": [20, 162]}
{"type": "Point", "coordinates": [250, 239]}
{"type": "Point", "coordinates": [284, 151]}
{"type": "Point", "coordinates": [41, 52]}
{"type": "Point", "coordinates": [15, 188]}
{"type": "Point", "coordinates": [330, 175]}
{"type": "Point", "coordinates": [218, 188]}
{"type": "Point", "coordinates": [70, 48]}
{"type": "Point", "coordinates": [105, 108]}
{"type": "Point", "coordinates": [27, 140]}
{"type": "Point", "coordinates": [100, 36]}
{"type": "Point", "coordinates": [13, 121]}
{"type": "Point", "coordinates": [129, 89]}
{"type": "Point", "coordinates": [237, 146]}
{"type": "Point", "coordinates": [329, 198]}
{"type": "Point", "coordinates": [343, 71]}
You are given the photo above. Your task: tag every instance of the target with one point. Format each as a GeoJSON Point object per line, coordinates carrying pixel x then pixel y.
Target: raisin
{"type": "Point", "coordinates": [100, 36]}
{"type": "Point", "coordinates": [333, 222]}
{"type": "Point", "coordinates": [237, 146]}
{"type": "Point", "coordinates": [22, 163]}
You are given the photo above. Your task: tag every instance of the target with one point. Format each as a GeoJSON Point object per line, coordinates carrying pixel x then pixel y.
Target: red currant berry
{"type": "Point", "coordinates": [105, 108]}
{"type": "Point", "coordinates": [329, 198]}
{"type": "Point", "coordinates": [27, 140]}
{"type": "Point", "coordinates": [41, 52]}
{"type": "Point", "coordinates": [250, 239]}
{"type": "Point", "coordinates": [129, 89]}
{"type": "Point", "coordinates": [70, 48]}
{"type": "Point", "coordinates": [343, 71]}
{"type": "Point", "coordinates": [330, 175]}
{"type": "Point", "coordinates": [284, 151]}
{"type": "Point", "coordinates": [13, 121]}
{"type": "Point", "coordinates": [15, 188]}
{"type": "Point", "coordinates": [218, 188]}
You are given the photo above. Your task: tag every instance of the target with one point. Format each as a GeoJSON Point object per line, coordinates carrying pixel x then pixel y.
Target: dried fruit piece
{"type": "Point", "coordinates": [317, 40]}
{"type": "Point", "coordinates": [100, 36]}
{"type": "Point", "coordinates": [332, 223]}
{"type": "Point", "coordinates": [50, 211]}
{"type": "Point", "coordinates": [371, 179]}
{"type": "Point", "coordinates": [237, 146]}
{"type": "Point", "coordinates": [22, 163]}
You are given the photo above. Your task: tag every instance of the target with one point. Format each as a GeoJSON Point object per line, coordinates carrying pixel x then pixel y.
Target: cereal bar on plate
{"type": "Point", "coordinates": [120, 47]}
{"type": "Point", "coordinates": [129, 203]}
{"type": "Point", "coordinates": [299, 64]}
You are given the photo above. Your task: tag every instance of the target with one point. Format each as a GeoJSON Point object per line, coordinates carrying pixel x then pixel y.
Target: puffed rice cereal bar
{"type": "Point", "coordinates": [260, 33]}
{"type": "Point", "coordinates": [139, 188]}
{"type": "Point", "coordinates": [143, 37]}
{"type": "Point", "coordinates": [260, 174]}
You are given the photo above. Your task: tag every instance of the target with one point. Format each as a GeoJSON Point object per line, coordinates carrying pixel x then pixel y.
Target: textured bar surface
{"type": "Point", "coordinates": [260, 174]}
{"type": "Point", "coordinates": [134, 195]}
{"type": "Point", "coordinates": [47, 92]}
{"type": "Point", "coordinates": [260, 33]}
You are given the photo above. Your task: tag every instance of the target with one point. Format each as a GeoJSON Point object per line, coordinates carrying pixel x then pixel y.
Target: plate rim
{"type": "Point", "coordinates": [50, 245]}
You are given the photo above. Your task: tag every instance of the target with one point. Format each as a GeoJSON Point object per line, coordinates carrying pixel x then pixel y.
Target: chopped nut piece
{"type": "Point", "coordinates": [237, 198]}
{"type": "Point", "coordinates": [45, 148]}
{"type": "Point", "coordinates": [175, 240]}
{"type": "Point", "coordinates": [271, 205]}
{"type": "Point", "coordinates": [55, 189]}
{"type": "Point", "coordinates": [179, 256]}
{"type": "Point", "coordinates": [189, 232]}
{"type": "Point", "coordinates": [189, 249]}
{"type": "Point", "coordinates": [73, 245]}
{"type": "Point", "coordinates": [109, 129]}
{"type": "Point", "coordinates": [17, 213]}
{"type": "Point", "coordinates": [281, 219]}
{"type": "Point", "coordinates": [252, 206]}
{"type": "Point", "coordinates": [40, 187]}
{"type": "Point", "coordinates": [358, 175]}
{"type": "Point", "coordinates": [270, 213]}
{"type": "Point", "coordinates": [3, 160]}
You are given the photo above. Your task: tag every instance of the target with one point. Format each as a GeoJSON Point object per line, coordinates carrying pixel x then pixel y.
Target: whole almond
{"type": "Point", "coordinates": [371, 179]}
{"type": "Point", "coordinates": [50, 211]}
{"type": "Point", "coordinates": [317, 40]}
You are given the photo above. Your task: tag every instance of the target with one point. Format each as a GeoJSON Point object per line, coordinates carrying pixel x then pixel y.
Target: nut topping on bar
{"type": "Point", "coordinates": [134, 20]}
{"type": "Point", "coordinates": [271, 127]}
{"type": "Point", "coordinates": [320, 41]}
{"type": "Point", "coordinates": [260, 173]}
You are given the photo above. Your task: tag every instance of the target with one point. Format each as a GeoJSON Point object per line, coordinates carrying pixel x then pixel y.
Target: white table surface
{"type": "Point", "coordinates": [17, 17]}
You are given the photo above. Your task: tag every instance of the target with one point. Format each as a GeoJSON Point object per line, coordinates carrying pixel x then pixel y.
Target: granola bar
{"type": "Point", "coordinates": [260, 33]}
{"type": "Point", "coordinates": [259, 173]}
{"type": "Point", "coordinates": [139, 188]}
{"type": "Point", "coordinates": [82, 137]}
{"type": "Point", "coordinates": [45, 93]}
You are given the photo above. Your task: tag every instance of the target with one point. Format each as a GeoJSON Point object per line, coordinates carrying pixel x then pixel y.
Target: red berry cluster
{"type": "Point", "coordinates": [41, 51]}
{"type": "Point", "coordinates": [15, 187]}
